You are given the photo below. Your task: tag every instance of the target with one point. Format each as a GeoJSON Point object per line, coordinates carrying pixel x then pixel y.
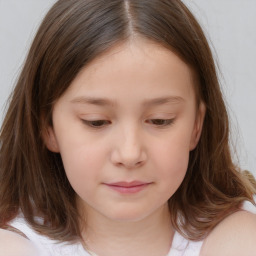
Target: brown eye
{"type": "Point", "coordinates": [161, 122]}
{"type": "Point", "coordinates": [96, 123]}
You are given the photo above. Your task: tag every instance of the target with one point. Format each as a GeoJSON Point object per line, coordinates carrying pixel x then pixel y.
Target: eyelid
{"type": "Point", "coordinates": [163, 122]}
{"type": "Point", "coordinates": [102, 123]}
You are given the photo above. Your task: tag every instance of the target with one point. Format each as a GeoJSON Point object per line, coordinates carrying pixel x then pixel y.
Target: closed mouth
{"type": "Point", "coordinates": [124, 187]}
{"type": "Point", "coordinates": [128, 184]}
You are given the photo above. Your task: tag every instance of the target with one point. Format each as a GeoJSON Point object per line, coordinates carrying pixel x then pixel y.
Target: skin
{"type": "Point", "coordinates": [130, 115]}
{"type": "Point", "coordinates": [23, 247]}
{"type": "Point", "coordinates": [234, 236]}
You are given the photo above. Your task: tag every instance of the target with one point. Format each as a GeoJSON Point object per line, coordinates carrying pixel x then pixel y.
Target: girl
{"type": "Point", "coordinates": [116, 139]}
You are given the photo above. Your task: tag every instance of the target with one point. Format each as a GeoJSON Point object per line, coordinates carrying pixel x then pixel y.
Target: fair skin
{"type": "Point", "coordinates": [124, 129]}
{"type": "Point", "coordinates": [234, 236]}
{"type": "Point", "coordinates": [12, 244]}
{"type": "Point", "coordinates": [151, 123]}
{"type": "Point", "coordinates": [131, 115]}
{"type": "Point", "coordinates": [145, 138]}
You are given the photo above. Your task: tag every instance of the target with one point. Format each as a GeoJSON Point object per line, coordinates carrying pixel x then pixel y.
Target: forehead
{"type": "Point", "coordinates": [137, 67]}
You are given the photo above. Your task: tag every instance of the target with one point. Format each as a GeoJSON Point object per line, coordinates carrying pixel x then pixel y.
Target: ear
{"type": "Point", "coordinates": [50, 139]}
{"type": "Point", "coordinates": [198, 126]}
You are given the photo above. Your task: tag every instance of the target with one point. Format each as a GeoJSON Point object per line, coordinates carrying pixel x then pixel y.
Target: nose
{"type": "Point", "coordinates": [128, 150]}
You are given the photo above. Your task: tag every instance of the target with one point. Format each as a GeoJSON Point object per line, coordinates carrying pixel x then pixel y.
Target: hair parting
{"type": "Point", "coordinates": [73, 33]}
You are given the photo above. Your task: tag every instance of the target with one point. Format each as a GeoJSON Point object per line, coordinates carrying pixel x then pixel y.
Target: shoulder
{"type": "Point", "coordinates": [13, 244]}
{"type": "Point", "coordinates": [234, 236]}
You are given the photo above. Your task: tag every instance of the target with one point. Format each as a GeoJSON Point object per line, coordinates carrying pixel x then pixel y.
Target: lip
{"type": "Point", "coordinates": [124, 187]}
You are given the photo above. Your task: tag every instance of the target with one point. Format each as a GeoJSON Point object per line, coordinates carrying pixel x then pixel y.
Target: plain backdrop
{"type": "Point", "coordinates": [230, 26]}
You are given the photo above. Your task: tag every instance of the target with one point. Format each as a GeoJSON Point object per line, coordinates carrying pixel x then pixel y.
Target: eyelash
{"type": "Point", "coordinates": [161, 122]}
{"type": "Point", "coordinates": [97, 124]}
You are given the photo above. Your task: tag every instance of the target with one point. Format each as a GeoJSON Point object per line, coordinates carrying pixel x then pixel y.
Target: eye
{"type": "Point", "coordinates": [96, 123]}
{"type": "Point", "coordinates": [161, 122]}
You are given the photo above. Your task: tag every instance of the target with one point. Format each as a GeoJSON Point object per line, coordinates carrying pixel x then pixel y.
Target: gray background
{"type": "Point", "coordinates": [230, 25]}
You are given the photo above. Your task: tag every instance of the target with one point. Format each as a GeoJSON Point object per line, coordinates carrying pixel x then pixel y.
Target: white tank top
{"type": "Point", "coordinates": [48, 247]}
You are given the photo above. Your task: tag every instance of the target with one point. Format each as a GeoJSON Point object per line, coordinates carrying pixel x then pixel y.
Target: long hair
{"type": "Point", "coordinates": [73, 33]}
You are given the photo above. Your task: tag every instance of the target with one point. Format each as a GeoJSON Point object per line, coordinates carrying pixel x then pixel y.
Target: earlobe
{"type": "Point", "coordinates": [50, 140]}
{"type": "Point", "coordinates": [198, 126]}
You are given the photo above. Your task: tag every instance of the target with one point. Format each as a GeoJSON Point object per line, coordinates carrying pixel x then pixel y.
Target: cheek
{"type": "Point", "coordinates": [174, 175]}
{"type": "Point", "coordinates": [83, 164]}
{"type": "Point", "coordinates": [172, 159]}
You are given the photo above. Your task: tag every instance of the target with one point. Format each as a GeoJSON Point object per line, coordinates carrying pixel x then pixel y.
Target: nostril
{"type": "Point", "coordinates": [139, 163]}
{"type": "Point", "coordinates": [128, 156]}
{"type": "Point", "coordinates": [129, 165]}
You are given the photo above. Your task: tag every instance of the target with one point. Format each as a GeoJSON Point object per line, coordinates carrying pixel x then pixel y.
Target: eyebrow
{"type": "Point", "coordinates": [164, 100]}
{"type": "Point", "coordinates": [107, 102]}
{"type": "Point", "coordinates": [94, 101]}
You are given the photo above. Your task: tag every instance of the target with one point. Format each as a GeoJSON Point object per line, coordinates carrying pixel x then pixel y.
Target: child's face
{"type": "Point", "coordinates": [129, 116]}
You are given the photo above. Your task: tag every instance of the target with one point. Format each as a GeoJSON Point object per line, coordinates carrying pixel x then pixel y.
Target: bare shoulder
{"type": "Point", "coordinates": [234, 236]}
{"type": "Point", "coordinates": [12, 244]}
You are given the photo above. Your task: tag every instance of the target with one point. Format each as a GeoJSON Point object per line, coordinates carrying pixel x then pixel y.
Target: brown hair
{"type": "Point", "coordinates": [74, 32]}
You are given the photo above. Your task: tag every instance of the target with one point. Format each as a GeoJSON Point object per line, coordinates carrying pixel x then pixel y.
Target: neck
{"type": "Point", "coordinates": [150, 236]}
